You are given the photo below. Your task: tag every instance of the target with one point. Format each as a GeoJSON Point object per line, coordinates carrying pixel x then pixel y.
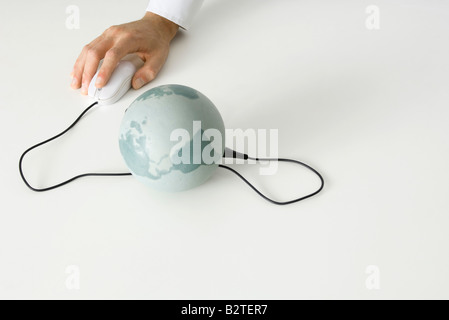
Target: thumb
{"type": "Point", "coordinates": [146, 73]}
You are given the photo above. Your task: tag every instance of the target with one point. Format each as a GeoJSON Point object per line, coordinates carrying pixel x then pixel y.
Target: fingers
{"type": "Point", "coordinates": [148, 71]}
{"type": "Point", "coordinates": [87, 63]}
{"type": "Point", "coordinates": [93, 57]}
{"type": "Point", "coordinates": [142, 37]}
{"type": "Point", "coordinates": [111, 59]}
{"type": "Point", "coordinates": [108, 46]}
{"type": "Point", "coordinates": [78, 68]}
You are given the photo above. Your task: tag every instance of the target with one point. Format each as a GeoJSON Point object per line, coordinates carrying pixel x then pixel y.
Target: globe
{"type": "Point", "coordinates": [172, 138]}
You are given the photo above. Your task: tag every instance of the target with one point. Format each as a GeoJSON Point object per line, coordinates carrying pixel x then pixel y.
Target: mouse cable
{"type": "Point", "coordinates": [229, 153]}
{"type": "Point", "coordinates": [71, 179]}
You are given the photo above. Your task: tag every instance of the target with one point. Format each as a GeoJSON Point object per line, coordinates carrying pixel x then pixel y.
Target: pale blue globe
{"type": "Point", "coordinates": [172, 138]}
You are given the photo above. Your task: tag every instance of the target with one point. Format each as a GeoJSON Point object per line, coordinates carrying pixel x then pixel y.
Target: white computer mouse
{"type": "Point", "coordinates": [117, 86]}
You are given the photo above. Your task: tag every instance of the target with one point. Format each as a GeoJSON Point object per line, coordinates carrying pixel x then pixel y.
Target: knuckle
{"type": "Point", "coordinates": [112, 30]}
{"type": "Point", "coordinates": [86, 47]}
{"type": "Point", "coordinates": [126, 35]}
{"type": "Point", "coordinates": [93, 53]}
{"type": "Point", "coordinates": [112, 54]}
{"type": "Point", "coordinates": [119, 32]}
{"type": "Point", "coordinates": [151, 73]}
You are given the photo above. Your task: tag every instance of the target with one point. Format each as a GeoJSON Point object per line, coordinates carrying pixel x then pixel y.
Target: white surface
{"type": "Point", "coordinates": [368, 108]}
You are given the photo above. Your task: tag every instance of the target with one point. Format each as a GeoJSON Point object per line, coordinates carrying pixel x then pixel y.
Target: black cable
{"type": "Point", "coordinates": [237, 155]}
{"type": "Point", "coordinates": [71, 179]}
{"type": "Point", "coordinates": [228, 154]}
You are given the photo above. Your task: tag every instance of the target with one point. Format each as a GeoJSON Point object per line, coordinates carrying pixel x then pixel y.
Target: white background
{"type": "Point", "coordinates": [368, 108]}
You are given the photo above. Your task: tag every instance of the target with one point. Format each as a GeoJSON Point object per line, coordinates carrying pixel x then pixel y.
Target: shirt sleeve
{"type": "Point", "coordinates": [180, 12]}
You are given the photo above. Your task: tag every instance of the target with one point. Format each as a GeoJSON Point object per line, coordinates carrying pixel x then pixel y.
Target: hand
{"type": "Point", "coordinates": [148, 37]}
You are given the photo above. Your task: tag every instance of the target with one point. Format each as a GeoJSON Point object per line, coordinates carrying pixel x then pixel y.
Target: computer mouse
{"type": "Point", "coordinates": [117, 86]}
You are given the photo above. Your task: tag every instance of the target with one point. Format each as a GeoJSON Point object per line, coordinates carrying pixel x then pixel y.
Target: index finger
{"type": "Point", "coordinates": [93, 57]}
{"type": "Point", "coordinates": [111, 59]}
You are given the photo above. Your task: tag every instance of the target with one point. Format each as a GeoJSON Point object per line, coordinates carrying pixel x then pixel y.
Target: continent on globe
{"type": "Point", "coordinates": [172, 138]}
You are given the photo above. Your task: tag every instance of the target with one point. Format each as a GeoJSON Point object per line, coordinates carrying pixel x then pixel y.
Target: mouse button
{"type": "Point", "coordinates": [126, 68]}
{"type": "Point", "coordinates": [111, 96]}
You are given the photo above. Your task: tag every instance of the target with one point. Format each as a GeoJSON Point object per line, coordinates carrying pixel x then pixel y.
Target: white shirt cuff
{"type": "Point", "coordinates": [181, 12]}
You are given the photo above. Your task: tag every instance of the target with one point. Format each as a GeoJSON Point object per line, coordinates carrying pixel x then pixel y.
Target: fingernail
{"type": "Point", "coordinates": [139, 83]}
{"type": "Point", "coordinates": [84, 88]}
{"type": "Point", "coordinates": [73, 82]}
{"type": "Point", "coordinates": [99, 81]}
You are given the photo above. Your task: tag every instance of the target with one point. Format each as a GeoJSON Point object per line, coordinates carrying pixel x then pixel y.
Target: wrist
{"type": "Point", "coordinates": [166, 27]}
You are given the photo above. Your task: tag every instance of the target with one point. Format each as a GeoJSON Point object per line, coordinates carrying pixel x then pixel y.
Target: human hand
{"type": "Point", "coordinates": [148, 37]}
